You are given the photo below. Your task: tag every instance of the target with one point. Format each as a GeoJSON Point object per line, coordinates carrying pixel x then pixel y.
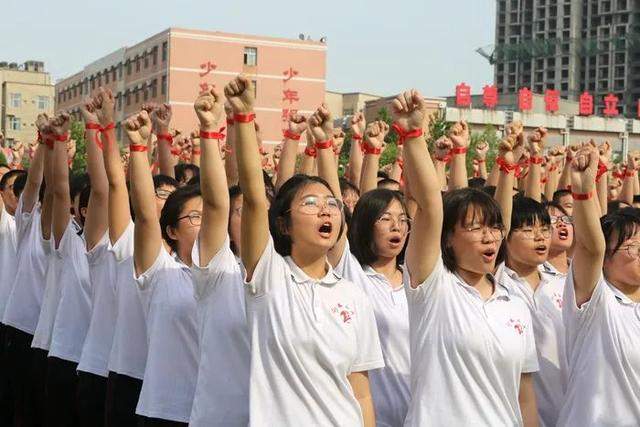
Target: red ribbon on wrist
{"type": "Point", "coordinates": [400, 163]}
{"type": "Point", "coordinates": [311, 152]}
{"type": "Point", "coordinates": [458, 150]}
{"type": "Point", "coordinates": [602, 169]}
{"type": "Point", "coordinates": [244, 118]}
{"type": "Point", "coordinates": [356, 137]}
{"type": "Point", "coordinates": [230, 122]}
{"type": "Point", "coordinates": [505, 166]}
{"type": "Point", "coordinates": [368, 149]}
{"type": "Point", "coordinates": [61, 138]}
{"type": "Point", "coordinates": [403, 135]}
{"type": "Point", "coordinates": [536, 160]}
{"type": "Point", "coordinates": [291, 135]}
{"type": "Point", "coordinates": [196, 151]}
{"type": "Point", "coordinates": [213, 135]}
{"type": "Point", "coordinates": [176, 151]}
{"type": "Point", "coordinates": [445, 159]}
{"type": "Point", "coordinates": [138, 148]}
{"type": "Point", "coordinates": [323, 145]}
{"type": "Point", "coordinates": [584, 196]}
{"type": "Point", "coordinates": [100, 130]}
{"type": "Point", "coordinates": [165, 137]}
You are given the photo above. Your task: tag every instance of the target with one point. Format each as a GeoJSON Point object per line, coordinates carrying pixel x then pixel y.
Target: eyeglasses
{"type": "Point", "coordinates": [163, 194]}
{"type": "Point", "coordinates": [632, 250]}
{"type": "Point", "coordinates": [195, 218]}
{"type": "Point", "coordinates": [565, 219]}
{"type": "Point", "coordinates": [478, 232]}
{"type": "Point", "coordinates": [531, 232]}
{"type": "Point", "coordinates": [403, 222]}
{"type": "Point", "coordinates": [313, 205]}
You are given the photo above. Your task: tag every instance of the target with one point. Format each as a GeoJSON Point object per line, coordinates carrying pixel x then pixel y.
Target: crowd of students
{"type": "Point", "coordinates": [181, 283]}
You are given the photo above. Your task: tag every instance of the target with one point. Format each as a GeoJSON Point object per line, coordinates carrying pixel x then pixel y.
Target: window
{"type": "Point", "coordinates": [16, 100]}
{"type": "Point", "coordinates": [145, 94]}
{"type": "Point", "coordinates": [163, 89]}
{"type": "Point", "coordinates": [119, 102]}
{"type": "Point", "coordinates": [146, 61]}
{"type": "Point", "coordinates": [255, 89]}
{"type": "Point", "coordinates": [43, 102]}
{"type": "Point", "coordinates": [93, 83]}
{"type": "Point", "coordinates": [154, 58]}
{"type": "Point", "coordinates": [14, 123]}
{"type": "Point", "coordinates": [128, 67]}
{"type": "Point", "coordinates": [106, 77]}
{"type": "Point", "coordinates": [251, 56]}
{"type": "Point", "coordinates": [113, 74]}
{"type": "Point", "coordinates": [128, 95]}
{"type": "Point", "coordinates": [154, 88]}
{"type": "Point", "coordinates": [137, 96]}
{"type": "Point", "coordinates": [137, 64]}
{"type": "Point", "coordinates": [120, 71]}
{"type": "Point", "coordinates": [165, 48]}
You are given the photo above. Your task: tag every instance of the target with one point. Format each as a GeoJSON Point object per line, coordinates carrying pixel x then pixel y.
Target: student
{"type": "Point", "coordinates": [472, 347]}
{"type": "Point", "coordinates": [527, 248]}
{"type": "Point", "coordinates": [562, 239]}
{"type": "Point", "coordinates": [313, 334]}
{"type": "Point", "coordinates": [7, 197]}
{"type": "Point", "coordinates": [563, 198]}
{"type": "Point", "coordinates": [164, 286]}
{"type": "Point", "coordinates": [600, 309]}
{"type": "Point", "coordinates": [222, 390]}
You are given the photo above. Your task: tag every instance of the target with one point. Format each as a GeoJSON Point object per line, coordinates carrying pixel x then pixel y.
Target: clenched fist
{"type": "Point", "coordinates": [209, 108]}
{"type": "Point", "coordinates": [459, 134]}
{"type": "Point", "coordinates": [138, 128]}
{"type": "Point", "coordinates": [321, 124]}
{"type": "Point", "coordinates": [239, 93]}
{"type": "Point", "coordinates": [375, 133]}
{"type": "Point", "coordinates": [409, 110]}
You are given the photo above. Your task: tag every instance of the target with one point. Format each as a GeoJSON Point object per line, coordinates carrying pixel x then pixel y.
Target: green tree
{"type": "Point", "coordinates": [488, 135]}
{"type": "Point", "coordinates": [3, 159]}
{"type": "Point", "coordinates": [80, 160]}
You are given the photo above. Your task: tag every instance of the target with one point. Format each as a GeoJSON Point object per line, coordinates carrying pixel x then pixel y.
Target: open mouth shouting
{"type": "Point", "coordinates": [325, 229]}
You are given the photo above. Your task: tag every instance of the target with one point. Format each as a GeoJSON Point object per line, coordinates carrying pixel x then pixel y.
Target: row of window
{"type": "Point", "coordinates": [15, 101]}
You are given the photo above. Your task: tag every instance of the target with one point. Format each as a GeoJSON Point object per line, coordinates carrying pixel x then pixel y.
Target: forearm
{"type": "Point", "coordinates": [356, 159]}
{"type": "Point", "coordinates": [230, 163]}
{"type": "Point", "coordinates": [368, 411]}
{"type": "Point", "coordinates": [441, 173]}
{"type": "Point", "coordinates": [287, 165]}
{"type": "Point", "coordinates": [328, 170]}
{"type": "Point", "coordinates": [307, 165]}
{"type": "Point", "coordinates": [565, 178]}
{"type": "Point", "coordinates": [504, 196]}
{"type": "Point", "coordinates": [369, 178]}
{"type": "Point", "coordinates": [533, 187]}
{"type": "Point", "coordinates": [61, 197]}
{"type": "Point", "coordinates": [142, 191]}
{"type": "Point", "coordinates": [97, 210]}
{"type": "Point", "coordinates": [166, 160]}
{"type": "Point", "coordinates": [626, 195]}
{"type": "Point", "coordinates": [458, 178]}
{"type": "Point", "coordinates": [483, 170]}
{"type": "Point", "coordinates": [602, 186]}
{"type": "Point", "coordinates": [34, 179]}
{"type": "Point", "coordinates": [492, 180]}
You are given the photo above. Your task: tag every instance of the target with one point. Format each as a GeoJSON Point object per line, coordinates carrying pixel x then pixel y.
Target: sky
{"type": "Point", "coordinates": [374, 46]}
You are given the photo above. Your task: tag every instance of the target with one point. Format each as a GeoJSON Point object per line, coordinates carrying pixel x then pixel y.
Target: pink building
{"type": "Point", "coordinates": [175, 65]}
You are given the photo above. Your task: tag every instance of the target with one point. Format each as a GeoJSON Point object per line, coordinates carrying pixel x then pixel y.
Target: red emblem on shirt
{"type": "Point", "coordinates": [344, 311]}
{"type": "Point", "coordinates": [517, 325]}
{"type": "Point", "coordinates": [557, 298]}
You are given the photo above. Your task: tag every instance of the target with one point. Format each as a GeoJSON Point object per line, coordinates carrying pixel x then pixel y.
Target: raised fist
{"type": "Point", "coordinates": [161, 118]}
{"type": "Point", "coordinates": [104, 106]}
{"type": "Point", "coordinates": [633, 160]}
{"type": "Point", "coordinates": [442, 147]}
{"type": "Point", "coordinates": [536, 141]}
{"type": "Point", "coordinates": [584, 168]}
{"type": "Point", "coordinates": [17, 151]}
{"type": "Point", "coordinates": [482, 149]}
{"type": "Point", "coordinates": [297, 123]}
{"type": "Point", "coordinates": [572, 151]}
{"type": "Point", "coordinates": [321, 124]}
{"type": "Point", "coordinates": [506, 146]}
{"type": "Point", "coordinates": [138, 128]}
{"type": "Point", "coordinates": [209, 108]}
{"type": "Point", "coordinates": [239, 92]}
{"type": "Point", "coordinates": [149, 107]}
{"type": "Point", "coordinates": [604, 151]}
{"type": "Point", "coordinates": [338, 139]}
{"type": "Point", "coordinates": [409, 110]}
{"type": "Point", "coordinates": [88, 110]}
{"type": "Point", "coordinates": [459, 134]}
{"type": "Point", "coordinates": [375, 133]}
{"type": "Point", "coordinates": [43, 123]}
{"type": "Point", "coordinates": [357, 124]}
{"type": "Point", "coordinates": [60, 124]}
{"type": "Point", "coordinates": [516, 128]}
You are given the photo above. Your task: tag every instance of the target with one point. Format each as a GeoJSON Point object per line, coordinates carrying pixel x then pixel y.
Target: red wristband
{"type": "Point", "coordinates": [630, 174]}
{"type": "Point", "coordinates": [544, 180]}
{"type": "Point", "coordinates": [323, 145]}
{"type": "Point", "coordinates": [400, 163]}
{"type": "Point", "coordinates": [458, 150]}
{"type": "Point", "coordinates": [175, 151]}
{"type": "Point", "coordinates": [213, 135]}
{"type": "Point", "coordinates": [479, 160]}
{"type": "Point", "coordinates": [196, 151]}
{"type": "Point", "coordinates": [61, 138]}
{"type": "Point", "coordinates": [230, 122]}
{"type": "Point", "coordinates": [368, 149]}
{"type": "Point", "coordinates": [536, 160]}
{"type": "Point", "coordinates": [403, 135]}
{"type": "Point", "coordinates": [165, 137]}
{"type": "Point", "coordinates": [602, 169]}
{"type": "Point", "coordinates": [445, 159]}
{"type": "Point", "coordinates": [138, 148]}
{"type": "Point", "coordinates": [291, 135]}
{"type": "Point", "coordinates": [504, 166]}
{"type": "Point", "coordinates": [585, 196]}
{"type": "Point", "coordinates": [311, 152]}
{"type": "Point", "coordinates": [92, 126]}
{"type": "Point", "coordinates": [244, 118]}
{"type": "Point", "coordinates": [356, 137]}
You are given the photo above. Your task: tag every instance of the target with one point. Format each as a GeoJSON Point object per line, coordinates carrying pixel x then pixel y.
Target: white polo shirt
{"type": "Point", "coordinates": [129, 349]}
{"type": "Point", "coordinates": [307, 336]}
{"type": "Point", "coordinates": [390, 386]}
{"type": "Point", "coordinates": [166, 292]}
{"type": "Point", "coordinates": [603, 352]}
{"type": "Point", "coordinates": [52, 291]}
{"type": "Point", "coordinates": [74, 309]}
{"type": "Point", "coordinates": [545, 306]}
{"type": "Point", "coordinates": [222, 390]}
{"type": "Point", "coordinates": [25, 299]}
{"type": "Point", "coordinates": [97, 344]}
{"type": "Point", "coordinates": [467, 354]}
{"type": "Point", "coordinates": [8, 256]}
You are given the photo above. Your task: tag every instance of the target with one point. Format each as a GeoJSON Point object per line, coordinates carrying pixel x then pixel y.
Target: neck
{"type": "Point", "coordinates": [631, 291]}
{"type": "Point", "coordinates": [478, 281]}
{"type": "Point", "coordinates": [559, 261]}
{"type": "Point", "coordinates": [313, 265]}
{"type": "Point", "coordinates": [185, 255]}
{"type": "Point", "coordinates": [526, 271]}
{"type": "Point", "coordinates": [388, 268]}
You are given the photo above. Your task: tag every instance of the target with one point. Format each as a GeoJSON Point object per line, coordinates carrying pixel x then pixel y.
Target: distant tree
{"type": "Point", "coordinates": [80, 160]}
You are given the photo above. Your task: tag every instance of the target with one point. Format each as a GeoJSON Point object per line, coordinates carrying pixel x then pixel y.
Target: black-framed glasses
{"type": "Point", "coordinates": [478, 232]}
{"type": "Point", "coordinates": [531, 232]}
{"type": "Point", "coordinates": [313, 205]}
{"type": "Point", "coordinates": [195, 218]}
{"type": "Point", "coordinates": [565, 219]}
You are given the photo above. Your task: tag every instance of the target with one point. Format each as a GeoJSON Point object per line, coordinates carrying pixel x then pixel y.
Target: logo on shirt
{"type": "Point", "coordinates": [557, 298]}
{"type": "Point", "coordinates": [344, 312]}
{"type": "Point", "coordinates": [517, 325]}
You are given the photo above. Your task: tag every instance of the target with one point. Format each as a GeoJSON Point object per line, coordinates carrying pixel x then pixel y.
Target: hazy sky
{"type": "Point", "coordinates": [375, 46]}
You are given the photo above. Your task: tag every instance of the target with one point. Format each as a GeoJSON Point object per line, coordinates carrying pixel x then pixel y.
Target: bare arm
{"type": "Point", "coordinates": [309, 158]}
{"type": "Point", "coordinates": [533, 188]}
{"type": "Point", "coordinates": [34, 177]}
{"type": "Point", "coordinates": [527, 401]}
{"type": "Point", "coordinates": [230, 163]}
{"type": "Point", "coordinates": [61, 198]}
{"type": "Point", "coordinates": [459, 135]}
{"type": "Point", "coordinates": [373, 143]}
{"type": "Point", "coordinates": [359, 382]}
{"type": "Point", "coordinates": [213, 181]}
{"type": "Point", "coordinates": [356, 157]}
{"type": "Point", "coordinates": [47, 201]}
{"type": "Point", "coordinates": [287, 166]}
{"type": "Point", "coordinates": [504, 189]}
{"type": "Point", "coordinates": [161, 117]}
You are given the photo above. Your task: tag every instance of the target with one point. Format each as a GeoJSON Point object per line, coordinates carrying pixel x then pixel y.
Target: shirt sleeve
{"type": "Point", "coordinates": [7, 228]}
{"type": "Point", "coordinates": [531, 355]}
{"type": "Point", "coordinates": [269, 272]}
{"type": "Point", "coordinates": [65, 245]}
{"type": "Point", "coordinates": [349, 267]}
{"type": "Point", "coordinates": [123, 247]}
{"type": "Point", "coordinates": [147, 279]}
{"type": "Point", "coordinates": [222, 266]}
{"type": "Point", "coordinates": [369, 351]}
{"type": "Point", "coordinates": [24, 220]}
{"type": "Point", "coordinates": [96, 255]}
{"type": "Point", "coordinates": [427, 288]}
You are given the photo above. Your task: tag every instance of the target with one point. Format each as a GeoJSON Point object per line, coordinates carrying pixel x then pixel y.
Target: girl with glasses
{"type": "Point", "coordinates": [562, 238]}
{"type": "Point", "coordinates": [313, 333]}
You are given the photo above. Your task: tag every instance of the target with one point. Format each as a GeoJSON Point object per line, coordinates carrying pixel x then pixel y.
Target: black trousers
{"type": "Point", "coordinates": [17, 355]}
{"type": "Point", "coordinates": [91, 395]}
{"type": "Point", "coordinates": [61, 391]}
{"type": "Point", "coordinates": [6, 397]}
{"type": "Point", "coordinates": [37, 385]}
{"type": "Point", "coordinates": [156, 422]}
{"type": "Point", "coordinates": [122, 398]}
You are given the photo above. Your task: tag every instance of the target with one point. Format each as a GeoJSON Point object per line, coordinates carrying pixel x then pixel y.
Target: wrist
{"type": "Point", "coordinates": [582, 196]}
{"type": "Point", "coordinates": [458, 150]}
{"type": "Point", "coordinates": [323, 145]}
{"type": "Point", "coordinates": [247, 117]}
{"type": "Point", "coordinates": [289, 134]}
{"type": "Point", "coordinates": [370, 149]}
{"type": "Point", "coordinates": [536, 160]}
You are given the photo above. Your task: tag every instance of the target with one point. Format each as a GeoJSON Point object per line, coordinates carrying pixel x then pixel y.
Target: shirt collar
{"type": "Point", "coordinates": [622, 298]}
{"type": "Point", "coordinates": [500, 291]}
{"type": "Point", "coordinates": [371, 272]}
{"type": "Point", "coordinates": [300, 277]}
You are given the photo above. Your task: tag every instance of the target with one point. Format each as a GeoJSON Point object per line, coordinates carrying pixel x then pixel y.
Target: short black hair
{"type": "Point", "coordinates": [19, 184]}
{"type": "Point", "coordinates": [555, 205]}
{"type": "Point", "coordinates": [476, 182]}
{"type": "Point", "coordinates": [161, 180]}
{"type": "Point", "coordinates": [636, 198]}
{"type": "Point", "coordinates": [180, 170]}
{"type": "Point", "coordinates": [280, 210]}
{"type": "Point", "coordinates": [172, 210]}
{"type": "Point", "coordinates": [269, 187]}
{"type": "Point", "coordinates": [489, 189]}
{"type": "Point", "coordinates": [367, 211]}
{"type": "Point", "coordinates": [7, 176]}
{"type": "Point", "coordinates": [234, 192]}
{"type": "Point", "coordinates": [84, 201]}
{"type": "Point", "coordinates": [77, 183]}
{"type": "Point", "coordinates": [560, 193]}
{"type": "Point", "coordinates": [456, 205]}
{"type": "Point", "coordinates": [382, 174]}
{"type": "Point", "coordinates": [387, 181]}
{"type": "Point", "coordinates": [623, 223]}
{"type": "Point", "coordinates": [616, 205]}
{"type": "Point", "coordinates": [346, 185]}
{"type": "Point", "coordinates": [526, 212]}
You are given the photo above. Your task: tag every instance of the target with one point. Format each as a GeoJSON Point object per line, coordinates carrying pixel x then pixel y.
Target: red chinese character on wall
{"type": "Point", "coordinates": [586, 104]}
{"type": "Point", "coordinates": [290, 95]}
{"type": "Point", "coordinates": [463, 95]}
{"type": "Point", "coordinates": [289, 74]}
{"type": "Point", "coordinates": [610, 105]}
{"type": "Point", "coordinates": [207, 67]}
{"type": "Point", "coordinates": [490, 96]}
{"type": "Point", "coordinates": [525, 99]}
{"type": "Point", "coordinates": [288, 112]}
{"type": "Point", "coordinates": [551, 100]}
{"type": "Point", "coordinates": [204, 86]}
